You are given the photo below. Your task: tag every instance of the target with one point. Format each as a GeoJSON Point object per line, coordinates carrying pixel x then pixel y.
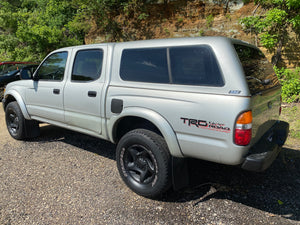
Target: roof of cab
{"type": "Point", "coordinates": [163, 42]}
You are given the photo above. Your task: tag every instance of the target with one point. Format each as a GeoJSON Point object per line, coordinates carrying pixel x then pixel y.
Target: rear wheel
{"type": "Point", "coordinates": [143, 162]}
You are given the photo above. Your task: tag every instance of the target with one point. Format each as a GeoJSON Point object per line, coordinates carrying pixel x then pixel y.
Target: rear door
{"type": "Point", "coordinates": [82, 95]}
{"type": "Point", "coordinates": [264, 88]}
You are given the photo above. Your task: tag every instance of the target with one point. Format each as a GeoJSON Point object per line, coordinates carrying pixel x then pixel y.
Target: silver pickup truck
{"type": "Point", "coordinates": [159, 101]}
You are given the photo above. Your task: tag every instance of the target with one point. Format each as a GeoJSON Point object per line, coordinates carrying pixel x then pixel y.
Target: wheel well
{"type": "Point", "coordinates": [129, 123]}
{"type": "Point", "coordinates": [9, 99]}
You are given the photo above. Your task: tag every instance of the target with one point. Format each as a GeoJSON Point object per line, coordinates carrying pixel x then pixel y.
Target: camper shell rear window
{"type": "Point", "coordinates": [258, 71]}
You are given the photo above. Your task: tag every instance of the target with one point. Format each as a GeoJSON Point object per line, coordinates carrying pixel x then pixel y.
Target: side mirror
{"type": "Point", "coordinates": [18, 75]}
{"type": "Point", "coordinates": [24, 74]}
{"type": "Point", "coordinates": [35, 77]}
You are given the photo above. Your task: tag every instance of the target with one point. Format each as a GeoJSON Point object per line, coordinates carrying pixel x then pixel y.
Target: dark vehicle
{"type": "Point", "coordinates": [12, 71]}
{"type": "Point", "coordinates": [7, 66]}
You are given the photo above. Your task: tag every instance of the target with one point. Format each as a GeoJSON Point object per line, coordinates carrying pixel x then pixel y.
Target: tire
{"type": "Point", "coordinates": [15, 121]}
{"type": "Point", "coordinates": [143, 162]}
{"type": "Point", "coordinates": [18, 127]}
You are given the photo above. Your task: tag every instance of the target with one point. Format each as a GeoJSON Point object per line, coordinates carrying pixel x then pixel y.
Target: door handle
{"type": "Point", "coordinates": [92, 94]}
{"type": "Point", "coordinates": [56, 91]}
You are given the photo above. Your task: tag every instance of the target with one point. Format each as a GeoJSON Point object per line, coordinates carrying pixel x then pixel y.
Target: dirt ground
{"type": "Point", "coordinates": [64, 177]}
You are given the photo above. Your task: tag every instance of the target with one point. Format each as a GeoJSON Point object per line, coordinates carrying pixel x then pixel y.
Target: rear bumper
{"type": "Point", "coordinates": [265, 151]}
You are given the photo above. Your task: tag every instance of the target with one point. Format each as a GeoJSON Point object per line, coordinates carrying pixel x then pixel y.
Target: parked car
{"type": "Point", "coordinates": [10, 65]}
{"type": "Point", "coordinates": [12, 71]}
{"type": "Point", "coordinates": [159, 101]}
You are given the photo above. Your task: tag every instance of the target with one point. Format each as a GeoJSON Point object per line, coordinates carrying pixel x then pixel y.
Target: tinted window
{"type": "Point", "coordinates": [53, 68]}
{"type": "Point", "coordinates": [195, 65]}
{"type": "Point", "coordinates": [258, 71]}
{"type": "Point", "coordinates": [87, 65]}
{"type": "Point", "coordinates": [190, 65]}
{"type": "Point", "coordinates": [144, 65]}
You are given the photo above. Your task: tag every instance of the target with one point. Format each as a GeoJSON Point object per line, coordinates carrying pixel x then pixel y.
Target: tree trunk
{"type": "Point", "coordinates": [277, 56]}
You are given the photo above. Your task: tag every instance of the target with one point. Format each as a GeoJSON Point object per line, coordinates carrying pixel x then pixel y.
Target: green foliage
{"type": "Point", "coordinates": [33, 28]}
{"type": "Point", "coordinates": [143, 16]}
{"type": "Point", "coordinates": [290, 81]}
{"type": "Point", "coordinates": [209, 20]}
{"type": "Point", "coordinates": [291, 114]}
{"type": "Point", "coordinates": [201, 32]}
{"type": "Point", "coordinates": [275, 26]}
{"type": "Point", "coordinates": [228, 16]}
{"type": "Point", "coordinates": [167, 31]}
{"type": "Point", "coordinates": [180, 20]}
{"type": "Point", "coordinates": [30, 29]}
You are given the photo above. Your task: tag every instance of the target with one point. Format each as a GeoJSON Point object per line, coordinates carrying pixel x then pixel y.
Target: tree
{"type": "Point", "coordinates": [277, 27]}
{"type": "Point", "coordinates": [33, 28]}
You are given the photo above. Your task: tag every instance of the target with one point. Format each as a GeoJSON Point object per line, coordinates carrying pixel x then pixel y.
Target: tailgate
{"type": "Point", "coordinates": [265, 111]}
{"type": "Point", "coordinates": [264, 88]}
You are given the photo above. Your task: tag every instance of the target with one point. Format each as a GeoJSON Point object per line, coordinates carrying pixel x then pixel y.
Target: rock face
{"type": "Point", "coordinates": [231, 5]}
{"type": "Point", "coordinates": [182, 18]}
{"type": "Point", "coordinates": [179, 19]}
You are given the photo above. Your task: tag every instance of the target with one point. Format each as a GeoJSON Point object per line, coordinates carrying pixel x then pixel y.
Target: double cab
{"type": "Point", "coordinates": [160, 101]}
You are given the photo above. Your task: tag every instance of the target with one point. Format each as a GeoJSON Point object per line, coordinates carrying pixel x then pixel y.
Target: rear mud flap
{"type": "Point", "coordinates": [180, 173]}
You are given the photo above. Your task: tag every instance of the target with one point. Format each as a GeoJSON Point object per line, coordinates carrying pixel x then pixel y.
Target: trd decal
{"type": "Point", "coordinates": [206, 125]}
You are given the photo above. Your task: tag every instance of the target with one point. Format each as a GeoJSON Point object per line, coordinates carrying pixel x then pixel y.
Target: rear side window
{"type": "Point", "coordinates": [258, 70]}
{"type": "Point", "coordinates": [145, 65]}
{"type": "Point", "coordinates": [189, 65]}
{"type": "Point", "coordinates": [87, 65]}
{"type": "Point", "coordinates": [195, 65]}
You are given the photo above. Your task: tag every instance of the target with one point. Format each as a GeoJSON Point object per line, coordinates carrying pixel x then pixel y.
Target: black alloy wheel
{"type": "Point", "coordinates": [140, 164]}
{"type": "Point", "coordinates": [143, 162]}
{"type": "Point", "coordinates": [15, 121]}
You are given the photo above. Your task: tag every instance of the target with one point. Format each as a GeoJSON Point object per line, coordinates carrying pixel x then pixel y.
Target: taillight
{"type": "Point", "coordinates": [243, 129]}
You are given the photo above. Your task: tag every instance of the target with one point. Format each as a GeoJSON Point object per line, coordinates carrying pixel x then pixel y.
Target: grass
{"type": "Point", "coordinates": [291, 114]}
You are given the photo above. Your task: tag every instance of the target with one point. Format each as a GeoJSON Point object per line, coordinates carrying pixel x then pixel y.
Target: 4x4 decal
{"type": "Point", "coordinates": [206, 124]}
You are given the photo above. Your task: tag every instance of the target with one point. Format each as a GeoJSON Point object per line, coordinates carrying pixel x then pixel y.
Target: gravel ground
{"type": "Point", "coordinates": [67, 178]}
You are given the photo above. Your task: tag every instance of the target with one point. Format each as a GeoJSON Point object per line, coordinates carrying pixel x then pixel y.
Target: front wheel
{"type": "Point", "coordinates": [15, 121]}
{"type": "Point", "coordinates": [143, 162]}
{"type": "Point", "coordinates": [18, 127]}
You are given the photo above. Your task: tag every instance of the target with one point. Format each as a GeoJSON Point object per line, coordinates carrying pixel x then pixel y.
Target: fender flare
{"type": "Point", "coordinates": [20, 102]}
{"type": "Point", "coordinates": [159, 121]}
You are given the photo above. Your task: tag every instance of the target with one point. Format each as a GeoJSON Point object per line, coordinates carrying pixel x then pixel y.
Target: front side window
{"type": "Point", "coordinates": [87, 65]}
{"type": "Point", "coordinates": [258, 70]}
{"type": "Point", "coordinates": [53, 68]}
{"type": "Point", "coordinates": [144, 65]}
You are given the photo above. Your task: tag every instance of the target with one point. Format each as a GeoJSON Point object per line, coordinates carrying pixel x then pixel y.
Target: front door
{"type": "Point", "coordinates": [44, 99]}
